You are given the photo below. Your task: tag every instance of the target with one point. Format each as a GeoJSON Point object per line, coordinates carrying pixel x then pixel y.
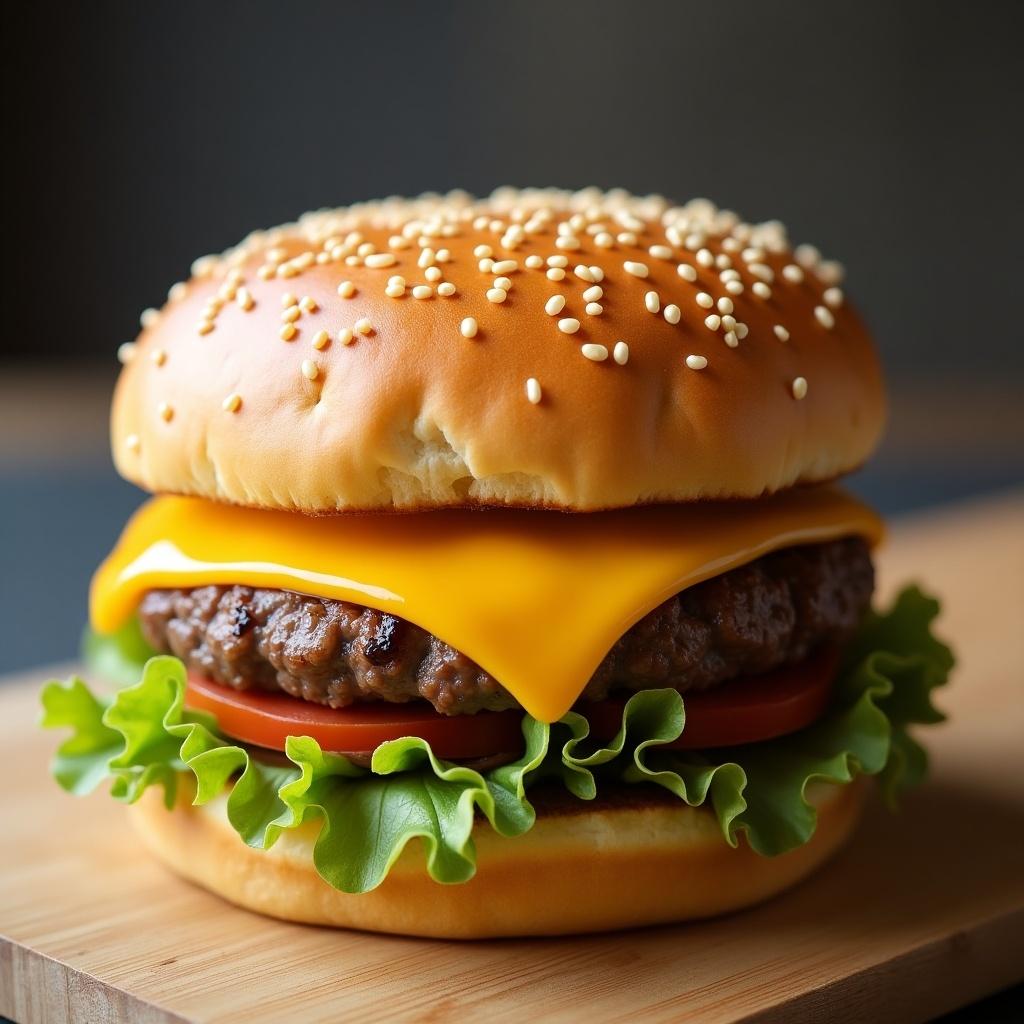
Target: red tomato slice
{"type": "Point", "coordinates": [741, 711]}
{"type": "Point", "coordinates": [745, 710]}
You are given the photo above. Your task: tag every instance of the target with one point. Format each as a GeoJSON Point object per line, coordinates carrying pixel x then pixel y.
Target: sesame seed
{"type": "Point", "coordinates": [558, 261]}
{"type": "Point", "coordinates": [468, 327]}
{"type": "Point", "coordinates": [126, 352]}
{"type": "Point", "coordinates": [423, 291]}
{"type": "Point", "coordinates": [595, 353]}
{"type": "Point", "coordinates": [791, 272]}
{"type": "Point", "coordinates": [204, 266]}
{"type": "Point", "coordinates": [554, 305]}
{"type": "Point", "coordinates": [584, 274]}
{"type": "Point", "coordinates": [555, 274]}
{"type": "Point", "coordinates": [363, 326]}
{"type": "Point", "coordinates": [485, 265]}
{"type": "Point", "coordinates": [729, 322]}
{"type": "Point", "coordinates": [483, 250]}
{"type": "Point", "coordinates": [807, 256]}
{"type": "Point", "coordinates": [626, 238]}
{"type": "Point", "coordinates": [597, 274]}
{"type": "Point", "coordinates": [729, 275]}
{"type": "Point", "coordinates": [734, 287]}
{"type": "Point", "coordinates": [604, 240]}
{"type": "Point", "coordinates": [346, 289]}
{"type": "Point", "coordinates": [742, 330]}
{"type": "Point", "coordinates": [496, 295]}
{"type": "Point", "coordinates": [366, 250]}
{"type": "Point", "coordinates": [320, 340]}
{"type": "Point", "coordinates": [378, 260]}
{"type": "Point", "coordinates": [443, 256]}
{"type": "Point", "coordinates": [621, 353]}
{"type": "Point", "coordinates": [722, 261]}
{"type": "Point", "coordinates": [345, 336]}
{"type": "Point", "coordinates": [205, 326]}
{"type": "Point", "coordinates": [652, 301]}
{"type": "Point", "coordinates": [781, 333]}
{"type": "Point", "coordinates": [165, 412]}
{"type": "Point", "coordinates": [288, 331]}
{"type": "Point", "coordinates": [724, 305]}
{"type": "Point", "coordinates": [636, 269]}
{"type": "Point", "coordinates": [503, 282]}
{"type": "Point", "coordinates": [232, 403]}
{"type": "Point", "coordinates": [761, 290]}
{"type": "Point", "coordinates": [394, 291]}
{"type": "Point", "coordinates": [686, 272]}
{"type": "Point", "coordinates": [426, 258]}
{"type": "Point", "coordinates": [713, 322]}
{"type": "Point", "coordinates": [149, 317]}
{"type": "Point", "coordinates": [505, 267]}
{"type": "Point", "coordinates": [673, 314]}
{"type": "Point", "coordinates": [570, 243]}
{"type": "Point", "coordinates": [266, 272]}
{"type": "Point", "coordinates": [568, 325]}
{"type": "Point", "coordinates": [799, 388]}
{"type": "Point", "coordinates": [433, 274]}
{"type": "Point", "coordinates": [310, 370]}
{"type": "Point", "coordinates": [533, 392]}
{"type": "Point", "coordinates": [291, 314]}
{"type": "Point", "coordinates": [696, 362]}
{"type": "Point", "coordinates": [446, 288]}
{"type": "Point", "coordinates": [593, 309]}
{"type": "Point", "coordinates": [824, 317]}
{"type": "Point", "coordinates": [534, 262]}
{"type": "Point", "coordinates": [660, 252]}
{"type": "Point", "coordinates": [177, 291]}
{"type": "Point", "coordinates": [731, 339]}
{"type": "Point", "coordinates": [594, 294]}
{"type": "Point", "coordinates": [244, 299]}
{"type": "Point", "coordinates": [704, 300]}
{"type": "Point", "coordinates": [705, 258]}
{"type": "Point", "coordinates": [132, 442]}
{"type": "Point", "coordinates": [159, 356]}
{"type": "Point", "coordinates": [833, 297]}
{"type": "Point", "coordinates": [763, 271]}
{"type": "Point", "coordinates": [831, 272]}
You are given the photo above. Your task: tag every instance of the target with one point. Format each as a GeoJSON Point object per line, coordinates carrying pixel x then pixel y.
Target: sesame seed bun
{"type": "Point", "coordinates": [593, 868]}
{"type": "Point", "coordinates": [437, 352]}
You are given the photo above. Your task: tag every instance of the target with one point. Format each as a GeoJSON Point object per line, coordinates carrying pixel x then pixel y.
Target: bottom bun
{"type": "Point", "coordinates": [581, 868]}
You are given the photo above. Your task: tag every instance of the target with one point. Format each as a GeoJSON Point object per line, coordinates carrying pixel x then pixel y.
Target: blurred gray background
{"type": "Point", "coordinates": [140, 136]}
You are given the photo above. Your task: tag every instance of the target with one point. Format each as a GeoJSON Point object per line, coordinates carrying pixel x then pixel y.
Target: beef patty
{"type": "Point", "coordinates": [772, 612]}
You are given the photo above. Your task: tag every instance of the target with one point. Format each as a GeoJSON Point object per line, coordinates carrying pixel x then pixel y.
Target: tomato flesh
{"type": "Point", "coordinates": [745, 710]}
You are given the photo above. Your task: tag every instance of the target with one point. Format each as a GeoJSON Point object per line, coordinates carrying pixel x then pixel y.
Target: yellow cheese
{"type": "Point", "coordinates": [535, 598]}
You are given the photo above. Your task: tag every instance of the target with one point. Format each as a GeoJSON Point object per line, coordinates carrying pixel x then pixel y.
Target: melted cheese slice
{"type": "Point", "coordinates": [535, 598]}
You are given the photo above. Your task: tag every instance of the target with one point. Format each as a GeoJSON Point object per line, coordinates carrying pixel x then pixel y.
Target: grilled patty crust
{"type": "Point", "coordinates": [771, 612]}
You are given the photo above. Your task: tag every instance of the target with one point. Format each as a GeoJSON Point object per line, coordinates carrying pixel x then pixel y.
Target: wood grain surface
{"type": "Point", "coordinates": [923, 912]}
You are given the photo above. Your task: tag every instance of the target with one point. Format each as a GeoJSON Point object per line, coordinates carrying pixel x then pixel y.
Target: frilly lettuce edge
{"type": "Point", "coordinates": [144, 735]}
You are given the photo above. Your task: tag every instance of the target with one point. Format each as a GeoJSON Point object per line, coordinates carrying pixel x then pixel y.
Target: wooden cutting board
{"type": "Point", "coordinates": [922, 913]}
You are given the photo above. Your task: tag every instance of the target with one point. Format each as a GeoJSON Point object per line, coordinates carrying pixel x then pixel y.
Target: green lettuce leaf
{"type": "Point", "coordinates": [117, 657]}
{"type": "Point", "coordinates": [144, 736]}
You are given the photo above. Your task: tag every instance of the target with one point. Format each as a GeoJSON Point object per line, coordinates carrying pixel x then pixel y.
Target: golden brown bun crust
{"type": "Point", "coordinates": [414, 415]}
{"type": "Point", "coordinates": [595, 870]}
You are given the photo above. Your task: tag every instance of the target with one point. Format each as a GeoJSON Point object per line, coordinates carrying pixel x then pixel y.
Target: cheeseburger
{"type": "Point", "coordinates": [497, 581]}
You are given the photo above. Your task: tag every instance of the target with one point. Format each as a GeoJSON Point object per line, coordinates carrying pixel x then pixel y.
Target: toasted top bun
{"type": "Point", "coordinates": [538, 348]}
